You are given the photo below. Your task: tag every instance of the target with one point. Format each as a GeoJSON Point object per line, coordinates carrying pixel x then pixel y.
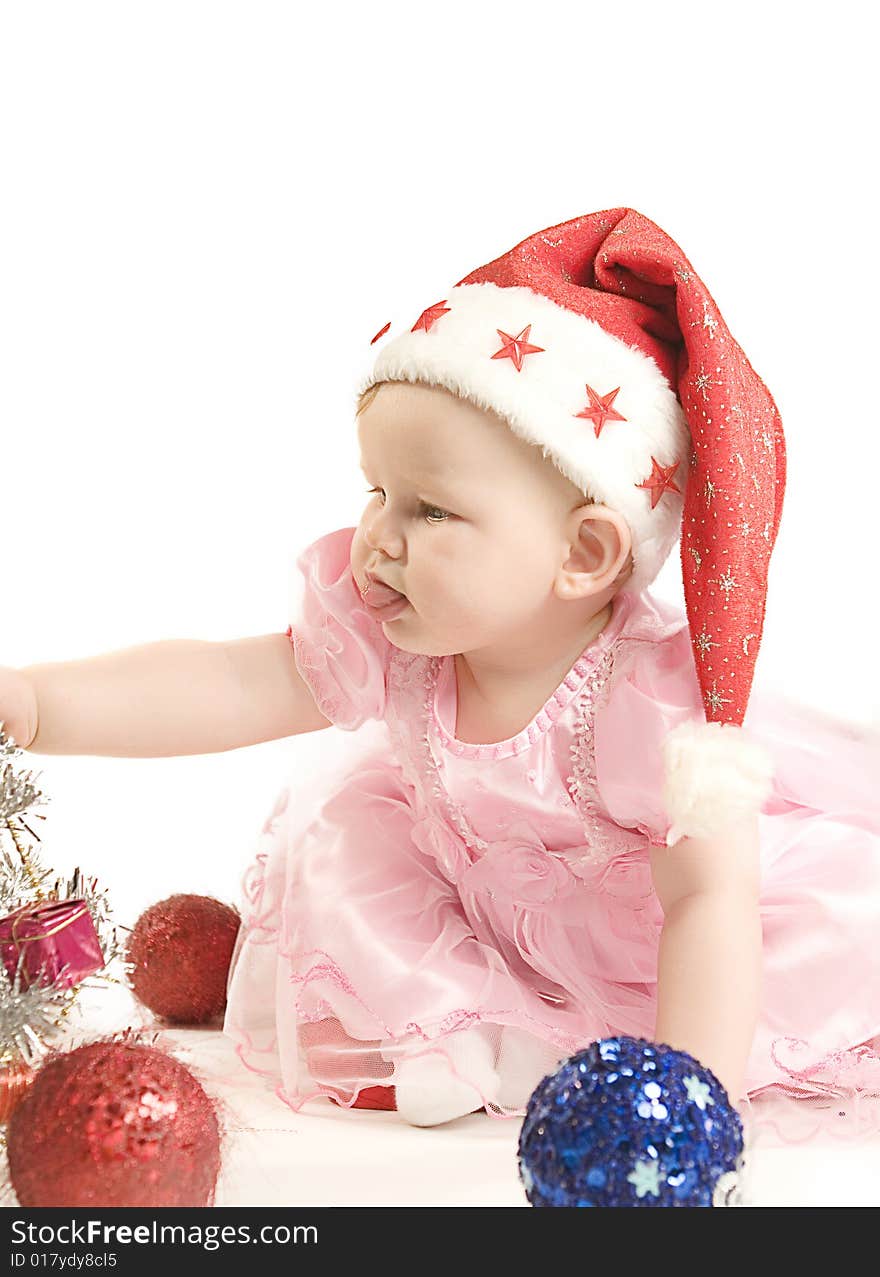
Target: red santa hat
{"type": "Point", "coordinates": [597, 341]}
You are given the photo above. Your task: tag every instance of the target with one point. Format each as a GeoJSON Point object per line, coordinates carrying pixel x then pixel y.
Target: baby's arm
{"type": "Point", "coordinates": [172, 697]}
{"type": "Point", "coordinates": [709, 968]}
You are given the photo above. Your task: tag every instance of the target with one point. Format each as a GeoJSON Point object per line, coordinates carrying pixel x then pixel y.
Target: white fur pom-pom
{"type": "Point", "coordinates": [715, 777]}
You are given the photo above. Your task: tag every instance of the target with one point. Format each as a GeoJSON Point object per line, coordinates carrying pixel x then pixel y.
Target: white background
{"type": "Point", "coordinates": [209, 209]}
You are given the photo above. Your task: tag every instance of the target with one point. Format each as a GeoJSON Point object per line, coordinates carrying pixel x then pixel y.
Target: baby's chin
{"type": "Point", "coordinates": [407, 633]}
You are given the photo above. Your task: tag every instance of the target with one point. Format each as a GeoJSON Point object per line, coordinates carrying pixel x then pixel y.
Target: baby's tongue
{"type": "Point", "coordinates": [378, 594]}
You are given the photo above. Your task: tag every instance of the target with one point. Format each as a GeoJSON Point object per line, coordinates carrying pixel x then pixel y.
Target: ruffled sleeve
{"type": "Point", "coordinates": [340, 651]}
{"type": "Point", "coordinates": [652, 689]}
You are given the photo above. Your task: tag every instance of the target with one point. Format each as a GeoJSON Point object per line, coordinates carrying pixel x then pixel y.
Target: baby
{"type": "Point", "coordinates": [555, 844]}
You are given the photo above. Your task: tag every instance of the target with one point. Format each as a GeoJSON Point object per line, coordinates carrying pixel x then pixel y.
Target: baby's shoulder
{"type": "Point", "coordinates": [654, 641]}
{"type": "Point", "coordinates": [650, 664]}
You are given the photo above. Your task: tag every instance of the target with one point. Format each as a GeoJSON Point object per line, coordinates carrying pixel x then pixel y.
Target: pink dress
{"type": "Point", "coordinates": [439, 885]}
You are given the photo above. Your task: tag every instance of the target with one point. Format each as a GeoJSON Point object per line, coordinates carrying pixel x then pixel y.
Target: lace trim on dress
{"type": "Point", "coordinates": [605, 837]}
{"type": "Point", "coordinates": [417, 676]}
{"type": "Point", "coordinates": [546, 716]}
{"type": "Point", "coordinates": [837, 1095]}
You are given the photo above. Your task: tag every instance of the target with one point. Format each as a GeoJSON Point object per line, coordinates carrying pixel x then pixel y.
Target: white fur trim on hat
{"type": "Point", "coordinates": [540, 402]}
{"type": "Point", "coordinates": [715, 776]}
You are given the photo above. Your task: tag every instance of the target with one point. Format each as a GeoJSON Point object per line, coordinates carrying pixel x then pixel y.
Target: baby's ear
{"type": "Point", "coordinates": [599, 543]}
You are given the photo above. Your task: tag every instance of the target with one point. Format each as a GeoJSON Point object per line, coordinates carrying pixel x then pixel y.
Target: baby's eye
{"type": "Point", "coordinates": [433, 513]}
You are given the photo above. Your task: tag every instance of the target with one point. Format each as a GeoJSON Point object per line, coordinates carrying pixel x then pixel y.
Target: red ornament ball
{"type": "Point", "coordinates": [114, 1124]}
{"type": "Point", "coordinates": [180, 950]}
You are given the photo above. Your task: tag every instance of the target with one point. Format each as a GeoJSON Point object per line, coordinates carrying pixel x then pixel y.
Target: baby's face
{"type": "Point", "coordinates": [469, 522]}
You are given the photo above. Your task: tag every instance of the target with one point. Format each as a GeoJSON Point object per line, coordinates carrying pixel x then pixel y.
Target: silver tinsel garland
{"type": "Point", "coordinates": [31, 1017]}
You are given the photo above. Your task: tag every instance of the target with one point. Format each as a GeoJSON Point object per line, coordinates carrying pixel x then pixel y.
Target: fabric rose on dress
{"type": "Point", "coordinates": [535, 877]}
{"type": "Point", "coordinates": [524, 873]}
{"type": "Point", "coordinates": [628, 877]}
{"type": "Point", "coordinates": [437, 840]}
{"type": "Point", "coordinates": [628, 885]}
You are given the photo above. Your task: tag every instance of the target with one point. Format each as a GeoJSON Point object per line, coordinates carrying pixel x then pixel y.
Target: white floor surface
{"type": "Point", "coordinates": [329, 1156]}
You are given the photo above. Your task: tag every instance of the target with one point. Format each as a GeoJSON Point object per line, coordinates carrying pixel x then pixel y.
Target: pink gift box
{"type": "Point", "coordinates": [54, 941]}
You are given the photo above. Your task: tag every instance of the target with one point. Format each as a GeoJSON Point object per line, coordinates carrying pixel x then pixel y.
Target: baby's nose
{"type": "Point", "coordinates": [381, 534]}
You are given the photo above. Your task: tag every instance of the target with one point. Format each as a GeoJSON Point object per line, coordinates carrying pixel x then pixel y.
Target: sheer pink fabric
{"type": "Point", "coordinates": [442, 890]}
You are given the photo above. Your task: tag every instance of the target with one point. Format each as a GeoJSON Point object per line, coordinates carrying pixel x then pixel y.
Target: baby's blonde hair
{"type": "Point", "coordinates": [367, 396]}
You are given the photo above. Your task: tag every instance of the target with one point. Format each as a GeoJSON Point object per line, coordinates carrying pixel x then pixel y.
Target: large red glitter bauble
{"type": "Point", "coordinates": [114, 1124]}
{"type": "Point", "coordinates": [180, 950]}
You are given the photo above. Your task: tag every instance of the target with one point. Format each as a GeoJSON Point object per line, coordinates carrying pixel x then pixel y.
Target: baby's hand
{"type": "Point", "coordinates": [18, 706]}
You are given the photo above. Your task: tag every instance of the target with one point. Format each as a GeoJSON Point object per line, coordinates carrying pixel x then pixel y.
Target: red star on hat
{"type": "Point", "coordinates": [600, 410]}
{"type": "Point", "coordinates": [660, 480]}
{"type": "Point", "coordinates": [430, 316]}
{"type": "Point", "coordinates": [381, 333]}
{"type": "Point", "coordinates": [516, 347]}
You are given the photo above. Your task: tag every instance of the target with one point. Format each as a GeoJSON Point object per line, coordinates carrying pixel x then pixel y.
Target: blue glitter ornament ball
{"type": "Point", "coordinates": [629, 1122]}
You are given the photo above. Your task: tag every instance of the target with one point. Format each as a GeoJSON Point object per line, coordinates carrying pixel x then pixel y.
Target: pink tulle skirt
{"type": "Point", "coordinates": [357, 953]}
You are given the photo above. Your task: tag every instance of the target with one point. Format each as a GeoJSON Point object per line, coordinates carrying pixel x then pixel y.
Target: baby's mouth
{"type": "Point", "coordinates": [378, 594]}
{"type": "Point", "coordinates": [382, 602]}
